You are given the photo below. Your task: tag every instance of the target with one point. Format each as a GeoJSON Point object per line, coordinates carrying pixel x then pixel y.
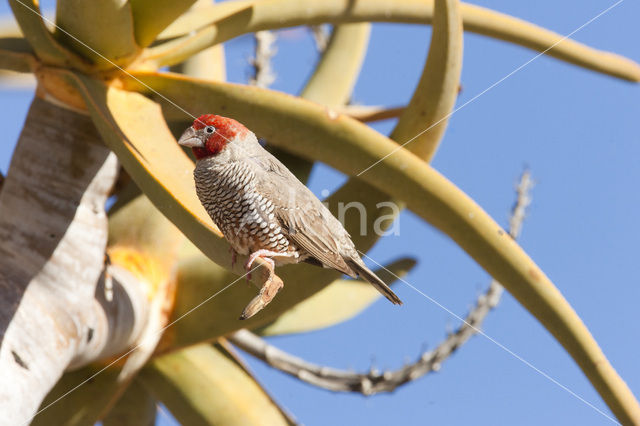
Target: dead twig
{"type": "Point", "coordinates": [263, 74]}
{"type": "Point", "coordinates": [374, 381]}
{"type": "Point", "coordinates": [321, 35]}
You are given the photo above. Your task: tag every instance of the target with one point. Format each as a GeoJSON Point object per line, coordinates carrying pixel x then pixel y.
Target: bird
{"type": "Point", "coordinates": [262, 209]}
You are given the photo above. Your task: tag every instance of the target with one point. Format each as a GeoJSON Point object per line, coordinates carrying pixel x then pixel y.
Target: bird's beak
{"type": "Point", "coordinates": [190, 138]}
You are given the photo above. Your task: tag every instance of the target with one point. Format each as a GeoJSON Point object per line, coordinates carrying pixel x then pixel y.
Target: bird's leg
{"type": "Point", "coordinates": [234, 255]}
{"type": "Point", "coordinates": [271, 286]}
{"type": "Point", "coordinates": [264, 254]}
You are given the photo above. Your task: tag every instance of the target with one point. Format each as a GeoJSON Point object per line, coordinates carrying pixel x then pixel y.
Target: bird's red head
{"type": "Point", "coordinates": [210, 133]}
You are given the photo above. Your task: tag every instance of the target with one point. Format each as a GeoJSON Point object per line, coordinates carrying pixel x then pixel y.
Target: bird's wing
{"type": "Point", "coordinates": [306, 221]}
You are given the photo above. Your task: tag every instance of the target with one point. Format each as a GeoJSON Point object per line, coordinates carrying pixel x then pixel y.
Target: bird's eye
{"type": "Point", "coordinates": [209, 129]}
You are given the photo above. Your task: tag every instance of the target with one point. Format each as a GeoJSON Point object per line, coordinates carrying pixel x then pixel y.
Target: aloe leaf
{"type": "Point", "coordinates": [425, 119]}
{"type": "Point", "coordinates": [50, 51]}
{"type": "Point", "coordinates": [249, 17]}
{"type": "Point", "coordinates": [195, 19]}
{"type": "Point", "coordinates": [332, 81]}
{"type": "Point", "coordinates": [140, 227]}
{"type": "Point", "coordinates": [136, 407]}
{"type": "Point", "coordinates": [79, 398]}
{"type": "Point", "coordinates": [202, 385]}
{"type": "Point", "coordinates": [335, 76]}
{"type": "Point", "coordinates": [16, 55]}
{"type": "Point", "coordinates": [150, 17]}
{"type": "Point", "coordinates": [104, 26]}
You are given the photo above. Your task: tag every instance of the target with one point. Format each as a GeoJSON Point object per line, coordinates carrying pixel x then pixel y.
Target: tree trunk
{"type": "Point", "coordinates": [53, 233]}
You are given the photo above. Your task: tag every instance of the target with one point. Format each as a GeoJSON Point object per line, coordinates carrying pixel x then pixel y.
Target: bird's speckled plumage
{"type": "Point", "coordinates": [258, 204]}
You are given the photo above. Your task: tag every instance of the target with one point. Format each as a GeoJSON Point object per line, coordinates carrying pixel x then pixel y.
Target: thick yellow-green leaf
{"type": "Point", "coordinates": [152, 158]}
{"type": "Point", "coordinates": [310, 130]}
{"type": "Point", "coordinates": [105, 26]}
{"type": "Point", "coordinates": [332, 81]}
{"type": "Point", "coordinates": [195, 19]}
{"type": "Point", "coordinates": [337, 72]}
{"type": "Point", "coordinates": [425, 119]}
{"type": "Point", "coordinates": [140, 226]}
{"type": "Point", "coordinates": [260, 15]}
{"type": "Point", "coordinates": [209, 64]}
{"type": "Point", "coordinates": [202, 385]}
{"type": "Point", "coordinates": [340, 301]}
{"type": "Point", "coordinates": [136, 407]}
{"type": "Point", "coordinates": [28, 15]}
{"type": "Point", "coordinates": [150, 17]}
{"type": "Point", "coordinates": [16, 55]}
{"type": "Point", "coordinates": [79, 399]}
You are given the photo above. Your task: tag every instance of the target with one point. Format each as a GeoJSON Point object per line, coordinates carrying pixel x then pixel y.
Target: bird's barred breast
{"type": "Point", "coordinates": [245, 217]}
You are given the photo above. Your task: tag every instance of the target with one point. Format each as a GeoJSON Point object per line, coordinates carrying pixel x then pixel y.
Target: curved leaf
{"type": "Point", "coordinates": [136, 407]}
{"type": "Point", "coordinates": [249, 17]}
{"type": "Point", "coordinates": [210, 63]}
{"type": "Point", "coordinates": [337, 72]}
{"type": "Point", "coordinates": [425, 119]}
{"type": "Point", "coordinates": [202, 385]}
{"type": "Point", "coordinates": [105, 26]}
{"type": "Point", "coordinates": [140, 226]}
{"type": "Point", "coordinates": [336, 303]}
{"type": "Point", "coordinates": [153, 159]}
{"type": "Point", "coordinates": [28, 15]}
{"type": "Point", "coordinates": [310, 130]}
{"type": "Point", "coordinates": [16, 55]}
{"type": "Point", "coordinates": [332, 81]}
{"type": "Point", "coordinates": [70, 405]}
{"type": "Point", "coordinates": [195, 19]}
{"type": "Point", "coordinates": [152, 16]}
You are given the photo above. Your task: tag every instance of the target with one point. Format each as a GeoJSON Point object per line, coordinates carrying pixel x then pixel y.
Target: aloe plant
{"type": "Point", "coordinates": [99, 304]}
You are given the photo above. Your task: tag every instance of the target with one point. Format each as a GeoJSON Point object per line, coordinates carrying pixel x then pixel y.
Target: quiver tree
{"type": "Point", "coordinates": [99, 304]}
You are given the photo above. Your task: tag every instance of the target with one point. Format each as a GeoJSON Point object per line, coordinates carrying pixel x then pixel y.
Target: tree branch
{"type": "Point", "coordinates": [321, 35]}
{"type": "Point", "coordinates": [374, 381]}
{"type": "Point", "coordinates": [263, 74]}
{"type": "Point", "coordinates": [54, 313]}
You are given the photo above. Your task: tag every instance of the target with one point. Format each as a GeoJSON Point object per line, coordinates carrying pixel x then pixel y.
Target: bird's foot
{"type": "Point", "coordinates": [267, 293]}
{"type": "Point", "coordinates": [269, 289]}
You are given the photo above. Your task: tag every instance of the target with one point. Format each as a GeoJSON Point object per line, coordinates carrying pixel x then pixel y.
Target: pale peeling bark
{"type": "Point", "coordinates": [53, 233]}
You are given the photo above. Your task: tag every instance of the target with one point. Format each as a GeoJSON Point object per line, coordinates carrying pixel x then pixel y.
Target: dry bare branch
{"type": "Point", "coordinates": [321, 35]}
{"type": "Point", "coordinates": [263, 74]}
{"type": "Point", "coordinates": [374, 381]}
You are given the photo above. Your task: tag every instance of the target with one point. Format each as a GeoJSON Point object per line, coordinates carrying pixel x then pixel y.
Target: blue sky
{"type": "Point", "coordinates": [578, 131]}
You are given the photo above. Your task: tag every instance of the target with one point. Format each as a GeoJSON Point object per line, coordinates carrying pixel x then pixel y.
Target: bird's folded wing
{"type": "Point", "coordinates": [301, 215]}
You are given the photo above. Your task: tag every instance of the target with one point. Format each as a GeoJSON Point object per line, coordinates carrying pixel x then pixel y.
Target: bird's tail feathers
{"type": "Point", "coordinates": [366, 273]}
